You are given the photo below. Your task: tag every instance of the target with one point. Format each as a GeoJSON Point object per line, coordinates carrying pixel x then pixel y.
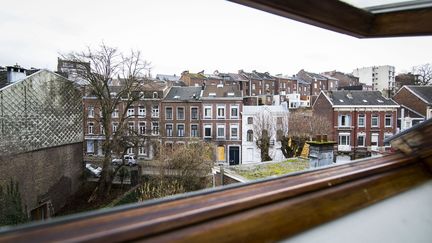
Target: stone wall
{"type": "Point", "coordinates": [46, 175]}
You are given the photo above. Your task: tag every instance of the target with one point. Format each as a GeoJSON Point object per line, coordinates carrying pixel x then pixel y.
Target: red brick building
{"type": "Point", "coordinates": [221, 121]}
{"type": "Point", "coordinates": [361, 120]}
{"type": "Point", "coordinates": [143, 116]}
{"type": "Point", "coordinates": [181, 116]}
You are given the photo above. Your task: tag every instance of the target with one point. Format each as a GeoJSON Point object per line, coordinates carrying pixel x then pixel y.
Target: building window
{"type": "Point", "coordinates": [90, 146]}
{"type": "Point", "coordinates": [90, 111]}
{"type": "Point", "coordinates": [180, 130]}
{"type": "Point", "coordinates": [249, 137]}
{"type": "Point", "coordinates": [234, 111]}
{"type": "Point", "coordinates": [375, 120]}
{"type": "Point", "coordinates": [131, 112]}
{"type": "Point", "coordinates": [220, 131]}
{"type": "Point", "coordinates": [220, 111]}
{"type": "Point", "coordinates": [194, 130]}
{"type": "Point", "coordinates": [102, 130]}
{"type": "Point", "coordinates": [208, 112]}
{"type": "Point", "coordinates": [267, 86]}
{"type": "Point", "coordinates": [114, 127]}
{"type": "Point", "coordinates": [194, 113]}
{"type": "Point", "coordinates": [253, 86]}
{"type": "Point", "coordinates": [142, 128]}
{"type": "Point", "coordinates": [180, 113]}
{"type": "Point", "coordinates": [344, 120]}
{"type": "Point", "coordinates": [131, 128]}
{"type": "Point", "coordinates": [208, 131]}
{"type": "Point", "coordinates": [130, 151]}
{"type": "Point", "coordinates": [234, 132]}
{"type": "Point", "coordinates": [115, 113]}
{"type": "Point", "coordinates": [388, 120]}
{"type": "Point", "coordinates": [374, 139]}
{"type": "Point", "coordinates": [155, 95]}
{"type": "Point", "coordinates": [250, 120]}
{"type": "Point", "coordinates": [155, 111]}
{"type": "Point", "coordinates": [168, 113]}
{"type": "Point", "coordinates": [142, 111]}
{"type": "Point", "coordinates": [90, 128]}
{"type": "Point", "coordinates": [155, 128]}
{"type": "Point", "coordinates": [169, 130]}
{"type": "Point", "coordinates": [142, 151]}
{"type": "Point", "coordinates": [344, 139]}
{"type": "Point", "coordinates": [361, 138]}
{"type": "Point", "coordinates": [361, 120]}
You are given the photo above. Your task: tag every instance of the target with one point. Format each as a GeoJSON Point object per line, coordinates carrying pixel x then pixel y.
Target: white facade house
{"type": "Point", "coordinates": [381, 78]}
{"type": "Point", "coordinates": [279, 117]}
{"type": "Point", "coordinates": [295, 101]}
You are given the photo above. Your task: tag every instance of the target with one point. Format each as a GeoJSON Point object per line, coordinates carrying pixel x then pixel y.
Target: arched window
{"type": "Point", "coordinates": [249, 136]}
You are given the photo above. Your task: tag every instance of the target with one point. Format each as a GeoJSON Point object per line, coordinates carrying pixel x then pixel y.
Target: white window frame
{"type": "Point", "coordinates": [131, 111]}
{"type": "Point", "coordinates": [166, 113]}
{"type": "Point", "coordinates": [191, 116]}
{"type": "Point", "coordinates": [234, 126]}
{"type": "Point", "coordinates": [91, 111]}
{"type": "Point", "coordinates": [206, 108]}
{"type": "Point", "coordinates": [142, 150]}
{"type": "Point", "coordinates": [347, 120]}
{"type": "Point", "coordinates": [155, 131]}
{"type": "Point", "coordinates": [90, 146]}
{"type": "Point", "coordinates": [377, 139]}
{"type": "Point", "coordinates": [142, 127]}
{"type": "Point", "coordinates": [231, 111]}
{"type": "Point", "coordinates": [179, 134]}
{"type": "Point", "coordinates": [390, 118]}
{"type": "Point", "coordinates": [363, 118]}
{"type": "Point", "coordinates": [217, 131]}
{"type": "Point", "coordinates": [115, 113]}
{"type": "Point", "coordinates": [377, 120]}
{"type": "Point", "coordinates": [197, 130]}
{"type": "Point", "coordinates": [211, 130]}
{"type": "Point", "coordinates": [177, 112]}
{"type": "Point", "coordinates": [166, 129]}
{"type": "Point", "coordinates": [363, 135]}
{"type": "Point", "coordinates": [131, 128]}
{"type": "Point", "coordinates": [90, 128]}
{"type": "Point", "coordinates": [142, 111]}
{"type": "Point", "coordinates": [155, 111]}
{"type": "Point", "coordinates": [222, 108]}
{"type": "Point", "coordinates": [348, 139]}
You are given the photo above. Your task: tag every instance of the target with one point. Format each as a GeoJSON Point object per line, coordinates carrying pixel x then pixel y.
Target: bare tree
{"type": "Point", "coordinates": [423, 74]}
{"type": "Point", "coordinates": [107, 64]}
{"type": "Point", "coordinates": [264, 128]}
{"type": "Point", "coordinates": [302, 126]}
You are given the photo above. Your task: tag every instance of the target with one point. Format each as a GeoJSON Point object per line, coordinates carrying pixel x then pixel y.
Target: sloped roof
{"type": "Point", "coordinates": [249, 75]}
{"type": "Point", "coordinates": [424, 92]}
{"type": "Point", "coordinates": [184, 93]}
{"type": "Point", "coordinates": [359, 98]}
{"type": "Point", "coordinates": [226, 91]}
{"type": "Point", "coordinates": [264, 75]}
{"type": "Point", "coordinates": [166, 77]}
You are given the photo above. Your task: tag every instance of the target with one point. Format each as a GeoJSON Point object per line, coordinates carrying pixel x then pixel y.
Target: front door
{"type": "Point", "coordinates": [234, 155]}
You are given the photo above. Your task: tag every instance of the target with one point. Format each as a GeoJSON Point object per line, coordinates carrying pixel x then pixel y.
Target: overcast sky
{"type": "Point", "coordinates": [192, 35]}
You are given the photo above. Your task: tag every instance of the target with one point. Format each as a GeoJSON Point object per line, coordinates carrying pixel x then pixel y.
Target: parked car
{"type": "Point", "coordinates": [129, 159]}
{"type": "Point", "coordinates": [93, 169]}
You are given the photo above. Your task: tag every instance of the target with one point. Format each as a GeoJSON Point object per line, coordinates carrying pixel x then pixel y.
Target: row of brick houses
{"type": "Point", "coordinates": [361, 120]}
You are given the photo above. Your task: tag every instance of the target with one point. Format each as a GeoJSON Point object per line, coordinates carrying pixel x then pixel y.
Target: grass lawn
{"type": "Point", "coordinates": [257, 171]}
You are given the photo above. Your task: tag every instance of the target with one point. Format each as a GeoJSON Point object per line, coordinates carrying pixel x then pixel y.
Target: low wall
{"type": "Point", "coordinates": [46, 175]}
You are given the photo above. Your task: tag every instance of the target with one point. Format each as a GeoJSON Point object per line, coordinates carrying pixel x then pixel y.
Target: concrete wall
{"type": "Point", "coordinates": [50, 174]}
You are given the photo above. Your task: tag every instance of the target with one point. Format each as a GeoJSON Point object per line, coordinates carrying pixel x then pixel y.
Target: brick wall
{"type": "Point", "coordinates": [50, 174]}
{"type": "Point", "coordinates": [408, 99]}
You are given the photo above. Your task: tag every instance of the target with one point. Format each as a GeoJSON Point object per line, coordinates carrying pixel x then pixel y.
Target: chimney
{"type": "Point", "coordinates": [15, 73]}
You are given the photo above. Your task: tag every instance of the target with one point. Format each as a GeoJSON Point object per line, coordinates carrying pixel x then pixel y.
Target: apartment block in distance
{"type": "Point", "coordinates": [381, 78]}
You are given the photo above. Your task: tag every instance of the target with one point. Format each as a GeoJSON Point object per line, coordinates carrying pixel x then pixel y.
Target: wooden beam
{"type": "Point", "coordinates": [329, 14]}
{"type": "Point", "coordinates": [343, 18]}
